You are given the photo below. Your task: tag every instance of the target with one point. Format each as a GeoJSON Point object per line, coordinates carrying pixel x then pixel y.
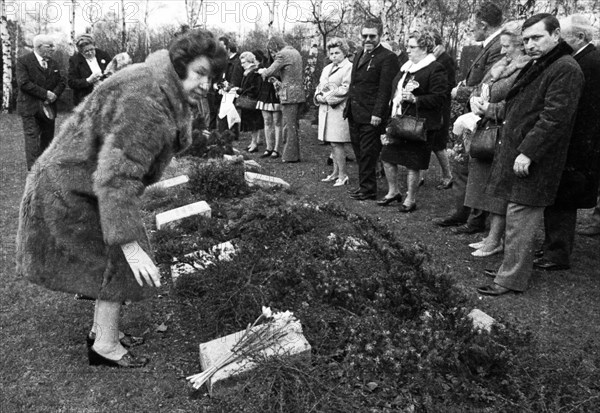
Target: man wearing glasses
{"type": "Point", "coordinates": [40, 83]}
{"type": "Point", "coordinates": [86, 67]}
{"type": "Point", "coordinates": [368, 106]}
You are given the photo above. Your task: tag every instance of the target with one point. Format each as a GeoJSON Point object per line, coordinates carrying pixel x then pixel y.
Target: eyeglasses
{"type": "Point", "coordinates": [90, 50]}
{"type": "Point", "coordinates": [412, 47]}
{"type": "Point", "coordinates": [369, 36]}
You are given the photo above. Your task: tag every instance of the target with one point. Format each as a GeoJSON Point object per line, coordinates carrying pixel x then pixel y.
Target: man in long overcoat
{"type": "Point", "coordinates": [40, 81]}
{"type": "Point", "coordinates": [288, 64]}
{"type": "Point", "coordinates": [579, 182]}
{"type": "Point", "coordinates": [368, 105]}
{"type": "Point", "coordinates": [486, 26]}
{"type": "Point", "coordinates": [539, 113]}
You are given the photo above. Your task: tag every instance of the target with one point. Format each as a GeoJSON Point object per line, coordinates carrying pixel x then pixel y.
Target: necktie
{"type": "Point", "coordinates": [365, 56]}
{"type": "Point", "coordinates": [44, 64]}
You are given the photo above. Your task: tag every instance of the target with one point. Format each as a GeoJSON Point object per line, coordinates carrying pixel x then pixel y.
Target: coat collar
{"type": "Point", "coordinates": [482, 53]}
{"type": "Point", "coordinates": [373, 54]}
{"type": "Point", "coordinates": [411, 67]}
{"type": "Point", "coordinates": [171, 86]}
{"type": "Point", "coordinates": [535, 68]}
{"type": "Point", "coordinates": [587, 49]}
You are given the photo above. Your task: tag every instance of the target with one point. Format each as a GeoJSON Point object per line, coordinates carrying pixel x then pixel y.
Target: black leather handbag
{"type": "Point", "coordinates": [483, 142]}
{"type": "Point", "coordinates": [244, 102]}
{"type": "Point", "coordinates": [407, 128]}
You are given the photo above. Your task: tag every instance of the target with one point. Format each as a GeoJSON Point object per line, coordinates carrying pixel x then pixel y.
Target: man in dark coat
{"type": "Point", "coordinates": [486, 26]}
{"type": "Point", "coordinates": [81, 78]}
{"type": "Point", "coordinates": [368, 105]}
{"type": "Point", "coordinates": [40, 83]}
{"type": "Point", "coordinates": [579, 182]}
{"type": "Point", "coordinates": [539, 113]}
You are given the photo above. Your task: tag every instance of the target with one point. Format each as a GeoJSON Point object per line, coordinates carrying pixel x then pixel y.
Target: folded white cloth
{"type": "Point", "coordinates": [466, 121]}
{"type": "Point", "coordinates": [228, 109]}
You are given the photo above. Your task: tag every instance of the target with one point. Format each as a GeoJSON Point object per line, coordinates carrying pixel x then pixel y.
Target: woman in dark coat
{"type": "Point", "coordinates": [80, 226]}
{"type": "Point", "coordinates": [420, 86]}
{"type": "Point", "coordinates": [252, 120]}
{"type": "Point", "coordinates": [497, 82]}
{"type": "Point", "coordinates": [86, 68]}
{"type": "Point", "coordinates": [268, 103]}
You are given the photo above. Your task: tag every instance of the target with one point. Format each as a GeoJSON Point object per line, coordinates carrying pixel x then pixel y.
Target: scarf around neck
{"type": "Point", "coordinates": [410, 67]}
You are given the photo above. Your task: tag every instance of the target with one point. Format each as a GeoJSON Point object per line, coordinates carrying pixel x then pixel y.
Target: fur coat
{"type": "Point", "coordinates": [82, 197]}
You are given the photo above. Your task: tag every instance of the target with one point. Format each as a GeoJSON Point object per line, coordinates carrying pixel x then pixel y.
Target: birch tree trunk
{"type": "Point", "coordinates": [123, 28]}
{"type": "Point", "coordinates": [73, 4]}
{"type": "Point", "coordinates": [6, 60]}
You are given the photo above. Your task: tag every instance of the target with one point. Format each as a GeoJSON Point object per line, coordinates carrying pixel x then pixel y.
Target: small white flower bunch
{"type": "Point", "coordinates": [255, 339]}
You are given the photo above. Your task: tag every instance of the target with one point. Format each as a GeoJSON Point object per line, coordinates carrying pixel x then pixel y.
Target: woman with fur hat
{"type": "Point", "coordinates": [80, 226]}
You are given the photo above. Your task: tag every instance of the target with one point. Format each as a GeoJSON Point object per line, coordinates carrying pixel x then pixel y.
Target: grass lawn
{"type": "Point", "coordinates": [44, 364]}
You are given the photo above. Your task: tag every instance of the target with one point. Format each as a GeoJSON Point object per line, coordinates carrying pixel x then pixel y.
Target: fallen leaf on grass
{"type": "Point", "coordinates": [161, 328]}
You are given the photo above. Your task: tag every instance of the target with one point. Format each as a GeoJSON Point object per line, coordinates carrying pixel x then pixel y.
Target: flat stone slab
{"type": "Point", "coordinates": [265, 181]}
{"type": "Point", "coordinates": [252, 165]}
{"type": "Point", "coordinates": [197, 208]}
{"type": "Point", "coordinates": [481, 321]}
{"type": "Point", "coordinates": [169, 183]}
{"type": "Point", "coordinates": [293, 343]}
{"type": "Point", "coordinates": [203, 259]}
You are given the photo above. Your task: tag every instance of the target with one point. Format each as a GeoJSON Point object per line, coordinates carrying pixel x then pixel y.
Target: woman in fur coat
{"type": "Point", "coordinates": [80, 227]}
{"type": "Point", "coordinates": [498, 82]}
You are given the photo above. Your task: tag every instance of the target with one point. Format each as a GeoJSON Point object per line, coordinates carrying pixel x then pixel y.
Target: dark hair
{"type": "Point", "coordinates": [437, 38]}
{"type": "Point", "coordinates": [84, 40]}
{"type": "Point", "coordinates": [193, 44]}
{"type": "Point", "coordinates": [550, 22]}
{"type": "Point", "coordinates": [260, 56]}
{"type": "Point", "coordinates": [374, 23]}
{"type": "Point", "coordinates": [489, 13]}
{"type": "Point", "coordinates": [276, 43]}
{"type": "Point", "coordinates": [225, 41]}
{"type": "Point", "coordinates": [424, 40]}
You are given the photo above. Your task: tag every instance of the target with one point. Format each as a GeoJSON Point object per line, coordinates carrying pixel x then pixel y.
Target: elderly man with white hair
{"type": "Point", "coordinates": [579, 182]}
{"type": "Point", "coordinates": [40, 83]}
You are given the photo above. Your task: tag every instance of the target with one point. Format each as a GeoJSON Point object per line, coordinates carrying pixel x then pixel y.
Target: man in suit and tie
{"type": "Point", "coordinates": [368, 105]}
{"type": "Point", "coordinates": [39, 83]}
{"type": "Point", "coordinates": [486, 27]}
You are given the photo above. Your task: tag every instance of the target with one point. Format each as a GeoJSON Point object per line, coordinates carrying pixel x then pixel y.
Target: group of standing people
{"type": "Point", "coordinates": [273, 85]}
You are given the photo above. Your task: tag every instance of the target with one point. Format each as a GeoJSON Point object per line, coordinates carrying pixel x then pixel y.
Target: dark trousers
{"type": "Point", "coordinates": [38, 132]}
{"type": "Point", "coordinates": [559, 226]}
{"type": "Point", "coordinates": [289, 132]}
{"type": "Point", "coordinates": [366, 143]}
{"type": "Point", "coordinates": [474, 218]}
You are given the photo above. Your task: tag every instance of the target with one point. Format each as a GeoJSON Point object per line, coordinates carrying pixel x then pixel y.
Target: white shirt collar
{"type": "Point", "coordinates": [580, 49]}
{"type": "Point", "coordinates": [39, 58]}
{"type": "Point", "coordinates": [491, 36]}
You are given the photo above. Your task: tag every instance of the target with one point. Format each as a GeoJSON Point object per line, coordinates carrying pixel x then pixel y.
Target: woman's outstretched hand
{"type": "Point", "coordinates": [141, 264]}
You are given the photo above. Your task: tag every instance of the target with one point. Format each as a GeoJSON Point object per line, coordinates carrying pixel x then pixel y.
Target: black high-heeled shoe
{"type": "Point", "coordinates": [127, 361]}
{"type": "Point", "coordinates": [126, 341]}
{"type": "Point", "coordinates": [410, 208]}
{"type": "Point", "coordinates": [387, 201]}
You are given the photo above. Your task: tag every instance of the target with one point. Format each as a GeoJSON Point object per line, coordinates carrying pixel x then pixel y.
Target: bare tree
{"type": "Point", "coordinates": [6, 59]}
{"type": "Point", "coordinates": [193, 10]}
{"type": "Point", "coordinates": [328, 17]}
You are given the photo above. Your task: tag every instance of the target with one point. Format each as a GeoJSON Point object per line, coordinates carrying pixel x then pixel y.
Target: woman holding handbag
{"type": "Point", "coordinates": [331, 95]}
{"type": "Point", "coordinates": [420, 91]}
{"type": "Point", "coordinates": [252, 119]}
{"type": "Point", "coordinates": [487, 103]}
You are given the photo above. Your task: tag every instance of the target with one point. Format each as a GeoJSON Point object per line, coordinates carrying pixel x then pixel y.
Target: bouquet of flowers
{"type": "Point", "coordinates": [256, 338]}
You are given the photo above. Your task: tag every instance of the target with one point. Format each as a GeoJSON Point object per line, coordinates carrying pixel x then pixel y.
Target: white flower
{"type": "Point", "coordinates": [266, 312]}
{"type": "Point", "coordinates": [102, 61]}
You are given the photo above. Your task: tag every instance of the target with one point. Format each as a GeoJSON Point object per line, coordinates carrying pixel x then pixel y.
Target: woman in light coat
{"type": "Point", "coordinates": [80, 224]}
{"type": "Point", "coordinates": [331, 95]}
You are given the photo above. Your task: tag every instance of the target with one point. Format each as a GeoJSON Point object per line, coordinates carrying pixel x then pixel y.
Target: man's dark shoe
{"type": "Point", "coordinates": [363, 196]}
{"type": "Point", "coordinates": [547, 265]}
{"type": "Point", "coordinates": [448, 222]}
{"type": "Point", "coordinates": [355, 190]}
{"type": "Point", "coordinates": [466, 229]}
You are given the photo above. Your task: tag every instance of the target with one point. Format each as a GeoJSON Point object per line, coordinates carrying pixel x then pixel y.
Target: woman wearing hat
{"type": "Point", "coordinates": [86, 67]}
